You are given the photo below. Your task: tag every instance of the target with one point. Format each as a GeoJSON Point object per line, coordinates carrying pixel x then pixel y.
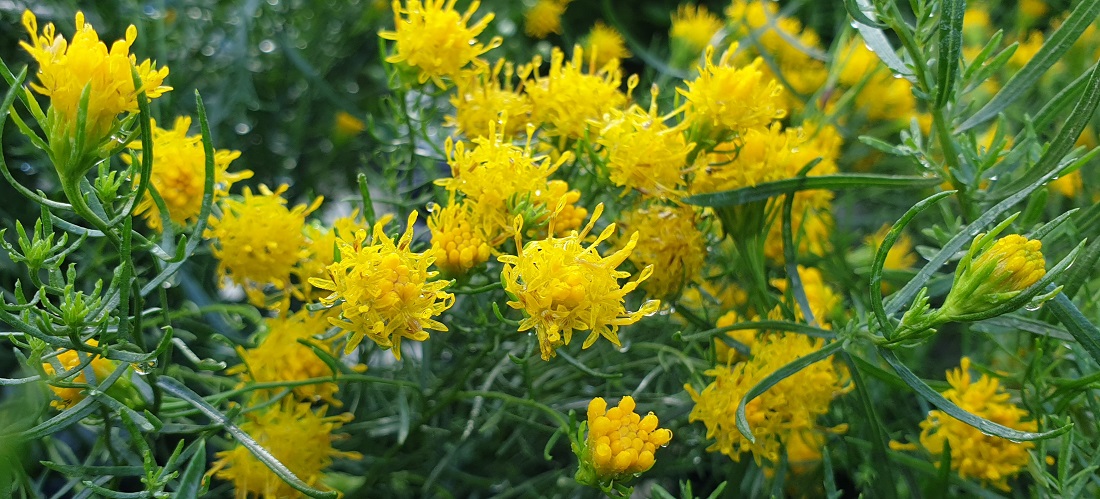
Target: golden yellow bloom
{"type": "Point", "coordinates": [723, 352]}
{"type": "Point", "coordinates": [544, 18]}
{"type": "Point", "coordinates": [1001, 271]}
{"type": "Point", "coordinates": [992, 460]}
{"type": "Point", "coordinates": [321, 250]}
{"type": "Point", "coordinates": [567, 98]}
{"type": "Point", "coordinates": [435, 38]}
{"type": "Point", "coordinates": [346, 126]}
{"type": "Point", "coordinates": [563, 286]}
{"type": "Point", "coordinates": [879, 94]}
{"type": "Point", "coordinates": [1068, 185]}
{"type": "Point", "coordinates": [483, 97]}
{"type": "Point", "coordinates": [69, 360]}
{"type": "Point", "coordinates": [620, 443]}
{"type": "Point", "coordinates": [1026, 50]}
{"type": "Point", "coordinates": [604, 44]}
{"type": "Point", "coordinates": [385, 292]}
{"type": "Point", "coordinates": [291, 432]}
{"type": "Point", "coordinates": [279, 357]}
{"type": "Point", "coordinates": [457, 244]}
{"type": "Point", "coordinates": [821, 297]}
{"type": "Point", "coordinates": [65, 69]}
{"type": "Point", "coordinates": [724, 101]}
{"type": "Point", "coordinates": [258, 241]}
{"type": "Point", "coordinates": [693, 26]}
{"type": "Point", "coordinates": [559, 211]}
{"type": "Point", "coordinates": [669, 240]}
{"type": "Point", "coordinates": [179, 174]}
{"type": "Point", "coordinates": [645, 154]}
{"type": "Point", "coordinates": [900, 256]}
{"type": "Point", "coordinates": [785, 412]}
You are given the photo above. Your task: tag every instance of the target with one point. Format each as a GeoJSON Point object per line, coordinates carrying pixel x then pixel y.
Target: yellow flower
{"type": "Point", "coordinates": [724, 101]}
{"type": "Point", "coordinates": [65, 69]}
{"type": "Point", "coordinates": [179, 174]}
{"type": "Point", "coordinates": [1032, 10]}
{"type": "Point", "coordinates": [566, 98]}
{"type": "Point", "coordinates": [563, 286]}
{"type": "Point", "coordinates": [1068, 185]}
{"type": "Point", "coordinates": [669, 240]}
{"type": "Point", "coordinates": [346, 126]}
{"type": "Point", "coordinates": [291, 432]}
{"type": "Point", "coordinates": [435, 39]}
{"type": "Point", "coordinates": [544, 18]}
{"type": "Point", "coordinates": [620, 444]}
{"type": "Point", "coordinates": [1026, 50]}
{"type": "Point", "coordinates": [280, 357]}
{"type": "Point", "coordinates": [821, 297]}
{"type": "Point", "coordinates": [787, 411]}
{"type": "Point", "coordinates": [604, 44]}
{"type": "Point", "coordinates": [990, 459]}
{"type": "Point", "coordinates": [385, 292]}
{"type": "Point", "coordinates": [643, 153]}
{"type": "Point", "coordinates": [1000, 272]}
{"type": "Point", "coordinates": [458, 246]}
{"type": "Point", "coordinates": [321, 250]}
{"type": "Point", "coordinates": [258, 241]}
{"type": "Point", "coordinates": [879, 95]}
{"type": "Point", "coordinates": [693, 27]}
{"type": "Point", "coordinates": [69, 360]}
{"type": "Point", "coordinates": [482, 97]}
{"type": "Point", "coordinates": [723, 353]}
{"type": "Point", "coordinates": [557, 209]}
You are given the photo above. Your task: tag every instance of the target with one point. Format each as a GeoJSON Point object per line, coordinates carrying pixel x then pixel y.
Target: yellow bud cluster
{"type": "Point", "coordinates": [1018, 262]}
{"type": "Point", "coordinates": [620, 441]}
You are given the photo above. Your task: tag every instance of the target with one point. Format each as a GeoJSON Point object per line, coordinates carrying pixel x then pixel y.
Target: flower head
{"type": "Point", "coordinates": [482, 97]}
{"type": "Point", "coordinates": [724, 101]}
{"type": "Point", "coordinates": [821, 297]}
{"type": "Point", "coordinates": [620, 443]}
{"type": "Point", "coordinates": [544, 18]}
{"type": "Point", "coordinates": [180, 174]}
{"type": "Point", "coordinates": [604, 44]}
{"type": "Point", "coordinates": [434, 38]}
{"type": "Point", "coordinates": [1000, 272]}
{"type": "Point", "coordinates": [385, 291]}
{"type": "Point", "coordinates": [693, 27]}
{"type": "Point", "coordinates": [280, 357]}
{"type": "Point", "coordinates": [69, 360]}
{"type": "Point", "coordinates": [567, 98]}
{"type": "Point", "coordinates": [66, 69]}
{"type": "Point", "coordinates": [990, 459]}
{"type": "Point", "coordinates": [291, 432]}
{"type": "Point", "coordinates": [457, 244]}
{"type": "Point", "coordinates": [563, 286]}
{"type": "Point", "coordinates": [668, 240]}
{"type": "Point", "coordinates": [779, 415]}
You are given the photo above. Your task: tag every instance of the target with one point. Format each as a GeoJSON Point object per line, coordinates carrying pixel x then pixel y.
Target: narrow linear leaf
{"type": "Point", "coordinates": [876, 40]}
{"type": "Point", "coordinates": [1025, 79]}
{"type": "Point", "coordinates": [774, 379]}
{"type": "Point", "coordinates": [984, 425]}
{"type": "Point", "coordinates": [950, 25]}
{"type": "Point", "coordinates": [191, 481]}
{"type": "Point", "coordinates": [767, 190]}
{"type": "Point", "coordinates": [1085, 332]}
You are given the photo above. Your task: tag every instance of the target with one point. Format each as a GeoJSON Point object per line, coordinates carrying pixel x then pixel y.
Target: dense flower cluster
{"type": "Point", "coordinates": [434, 38]}
{"type": "Point", "coordinates": [620, 443]}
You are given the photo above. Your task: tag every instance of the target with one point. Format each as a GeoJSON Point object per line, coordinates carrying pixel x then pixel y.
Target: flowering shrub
{"type": "Point", "coordinates": [775, 226]}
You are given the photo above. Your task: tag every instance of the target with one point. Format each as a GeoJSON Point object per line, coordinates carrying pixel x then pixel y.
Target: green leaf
{"type": "Point", "coordinates": [984, 425]}
{"type": "Point", "coordinates": [1085, 332]}
{"type": "Point", "coordinates": [191, 481]}
{"type": "Point", "coordinates": [1056, 108]}
{"type": "Point", "coordinates": [767, 190]}
{"type": "Point", "coordinates": [951, 22]}
{"type": "Point", "coordinates": [177, 389]}
{"type": "Point", "coordinates": [1024, 79]}
{"type": "Point", "coordinates": [779, 375]}
{"type": "Point", "coordinates": [876, 40]}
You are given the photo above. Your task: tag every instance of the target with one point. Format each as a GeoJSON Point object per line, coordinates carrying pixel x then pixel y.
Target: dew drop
{"type": "Point", "coordinates": [431, 207]}
{"type": "Point", "coordinates": [267, 46]}
{"type": "Point", "coordinates": [242, 128]}
{"type": "Point", "coordinates": [194, 13]}
{"type": "Point", "coordinates": [1032, 307]}
{"type": "Point", "coordinates": [143, 368]}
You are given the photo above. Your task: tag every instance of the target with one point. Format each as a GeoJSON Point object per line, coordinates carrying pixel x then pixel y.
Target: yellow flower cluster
{"type": "Point", "coordinates": [435, 39]}
{"type": "Point", "coordinates": [992, 460]}
{"type": "Point", "coordinates": [620, 443]}
{"type": "Point", "coordinates": [457, 244]}
{"type": "Point", "coordinates": [482, 98]}
{"type": "Point", "coordinates": [69, 360]}
{"type": "Point", "coordinates": [180, 174]}
{"type": "Point", "coordinates": [669, 241]}
{"type": "Point", "coordinates": [67, 68]}
{"type": "Point", "coordinates": [604, 44]}
{"type": "Point", "coordinates": [693, 28]}
{"type": "Point", "coordinates": [384, 290]}
{"type": "Point", "coordinates": [787, 411]}
{"type": "Point", "coordinates": [567, 98]}
{"type": "Point", "coordinates": [725, 101]}
{"type": "Point", "coordinates": [562, 286]}
{"type": "Point", "coordinates": [544, 18]}
{"type": "Point", "coordinates": [298, 436]}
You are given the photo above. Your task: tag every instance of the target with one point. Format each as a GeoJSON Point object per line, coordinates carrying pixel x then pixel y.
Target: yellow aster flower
{"type": "Point", "coordinates": [280, 357]}
{"type": "Point", "coordinates": [483, 97]}
{"type": "Point", "coordinates": [643, 153]}
{"type": "Point", "coordinates": [693, 27]}
{"type": "Point", "coordinates": [544, 18]}
{"type": "Point", "coordinates": [70, 360]}
{"type": "Point", "coordinates": [291, 432]}
{"type": "Point", "coordinates": [321, 249]}
{"type": "Point", "coordinates": [723, 352]}
{"type": "Point", "coordinates": [620, 444]}
{"type": "Point", "coordinates": [990, 274]}
{"type": "Point", "coordinates": [65, 69]}
{"type": "Point", "coordinates": [724, 101]}
{"type": "Point", "coordinates": [435, 39]}
{"type": "Point", "coordinates": [458, 245]}
{"type": "Point", "coordinates": [258, 241]}
{"type": "Point", "coordinates": [1068, 185]}
{"type": "Point", "coordinates": [179, 174]}
{"type": "Point", "coordinates": [563, 286]}
{"type": "Point", "coordinates": [785, 412]}
{"type": "Point", "coordinates": [384, 291]}
{"type": "Point", "coordinates": [567, 98]}
{"type": "Point", "coordinates": [987, 458]}
{"type": "Point", "coordinates": [558, 208]}
{"type": "Point", "coordinates": [668, 240]}
{"type": "Point", "coordinates": [604, 44]}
